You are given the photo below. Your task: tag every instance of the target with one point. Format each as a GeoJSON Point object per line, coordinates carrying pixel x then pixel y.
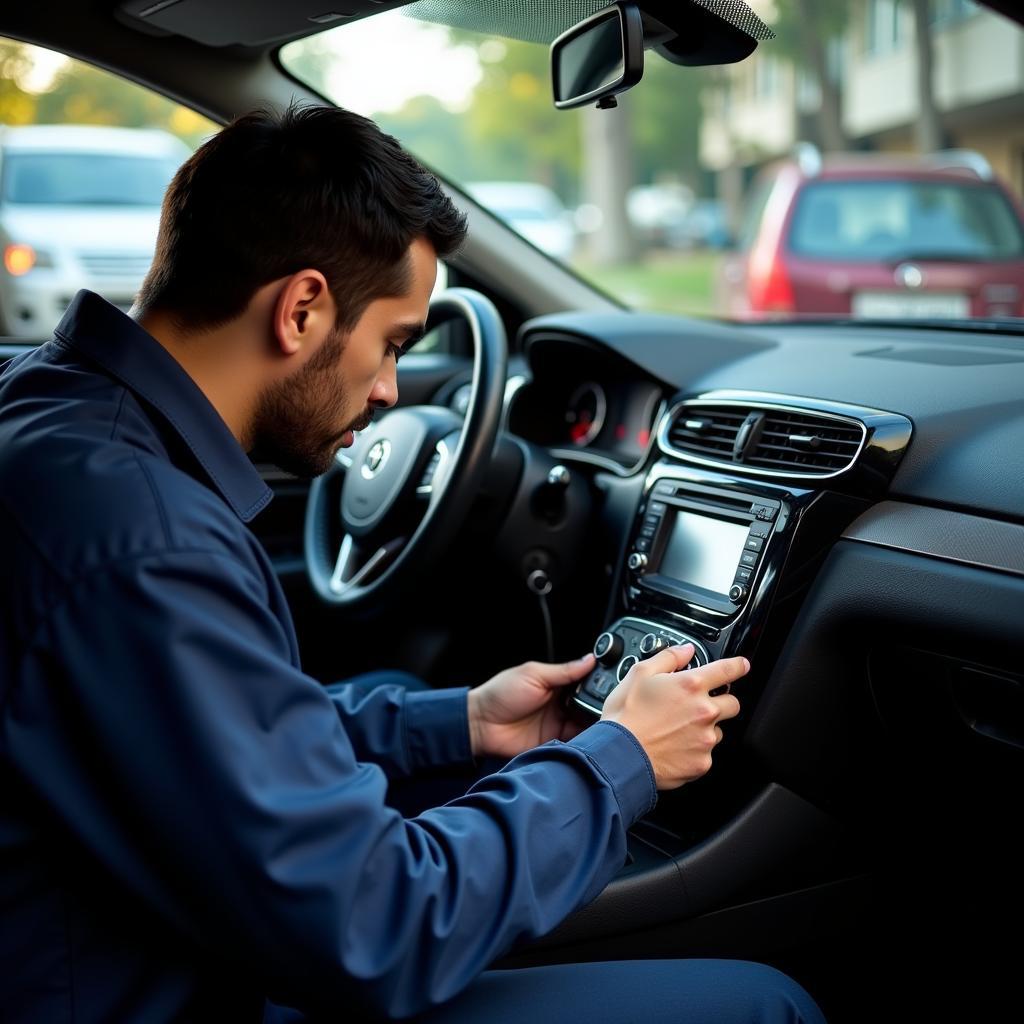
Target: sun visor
{"type": "Point", "coordinates": [683, 31]}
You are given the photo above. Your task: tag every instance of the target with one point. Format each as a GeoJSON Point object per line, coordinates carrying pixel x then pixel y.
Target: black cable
{"type": "Point", "coordinates": [539, 583]}
{"type": "Point", "coordinates": [548, 631]}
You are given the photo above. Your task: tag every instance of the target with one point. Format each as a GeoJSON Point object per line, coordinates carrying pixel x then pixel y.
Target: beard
{"type": "Point", "coordinates": [299, 422]}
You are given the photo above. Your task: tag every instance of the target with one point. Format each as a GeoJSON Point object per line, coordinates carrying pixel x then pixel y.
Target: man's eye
{"type": "Point", "coordinates": [394, 350]}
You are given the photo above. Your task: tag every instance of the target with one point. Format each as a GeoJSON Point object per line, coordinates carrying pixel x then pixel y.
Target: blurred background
{"type": "Point", "coordinates": [867, 161]}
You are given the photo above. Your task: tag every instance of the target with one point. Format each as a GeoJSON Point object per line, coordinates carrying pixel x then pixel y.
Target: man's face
{"type": "Point", "coordinates": [303, 420]}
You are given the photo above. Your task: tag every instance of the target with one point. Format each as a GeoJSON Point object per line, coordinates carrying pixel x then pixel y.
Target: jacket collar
{"type": "Point", "coordinates": [124, 350]}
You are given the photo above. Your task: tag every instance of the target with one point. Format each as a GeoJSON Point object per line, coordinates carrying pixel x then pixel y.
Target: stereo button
{"type": "Point", "coordinates": [754, 543]}
{"type": "Point", "coordinates": [637, 561]}
{"type": "Point", "coordinates": [749, 558]}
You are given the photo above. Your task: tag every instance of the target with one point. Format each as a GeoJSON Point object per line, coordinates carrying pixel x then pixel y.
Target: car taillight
{"type": "Point", "coordinates": [768, 287]}
{"type": "Point", "coordinates": [19, 259]}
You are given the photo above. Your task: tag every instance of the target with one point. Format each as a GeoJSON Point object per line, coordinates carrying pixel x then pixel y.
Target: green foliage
{"type": "Point", "coordinates": [82, 94]}
{"type": "Point", "coordinates": [512, 131]}
{"type": "Point", "coordinates": [17, 105]}
{"type": "Point", "coordinates": [797, 22]}
{"type": "Point", "coordinates": [666, 121]}
{"type": "Point", "coordinates": [512, 124]}
{"type": "Point", "coordinates": [437, 136]}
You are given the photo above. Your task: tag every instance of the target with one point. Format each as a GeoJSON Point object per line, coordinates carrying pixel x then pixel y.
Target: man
{"type": "Point", "coordinates": [189, 825]}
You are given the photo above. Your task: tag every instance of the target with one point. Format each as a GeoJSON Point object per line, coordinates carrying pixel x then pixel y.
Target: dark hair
{"type": "Point", "coordinates": [272, 193]}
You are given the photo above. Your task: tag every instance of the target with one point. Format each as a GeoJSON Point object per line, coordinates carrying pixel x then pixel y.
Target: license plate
{"type": "Point", "coordinates": [905, 305]}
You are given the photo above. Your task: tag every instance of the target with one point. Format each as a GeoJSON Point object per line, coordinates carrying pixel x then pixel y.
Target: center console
{"type": "Point", "coordinates": [701, 559]}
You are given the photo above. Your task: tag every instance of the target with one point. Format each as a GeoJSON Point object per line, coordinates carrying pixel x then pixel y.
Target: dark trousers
{"type": "Point", "coordinates": [632, 992]}
{"type": "Point", "coordinates": [616, 992]}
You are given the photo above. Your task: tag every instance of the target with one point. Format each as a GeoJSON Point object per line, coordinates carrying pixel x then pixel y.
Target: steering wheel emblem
{"type": "Point", "coordinates": [375, 458]}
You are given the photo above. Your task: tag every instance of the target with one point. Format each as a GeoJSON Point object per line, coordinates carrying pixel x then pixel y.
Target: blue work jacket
{"type": "Point", "coordinates": [189, 824]}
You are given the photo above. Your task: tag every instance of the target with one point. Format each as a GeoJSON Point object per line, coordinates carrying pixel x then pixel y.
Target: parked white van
{"type": "Point", "coordinates": [79, 208]}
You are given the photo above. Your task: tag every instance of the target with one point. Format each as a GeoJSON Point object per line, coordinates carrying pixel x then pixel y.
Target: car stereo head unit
{"type": "Point", "coordinates": [702, 545]}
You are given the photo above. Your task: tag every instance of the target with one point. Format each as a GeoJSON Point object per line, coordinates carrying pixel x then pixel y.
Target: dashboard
{"type": "Point", "coordinates": [814, 497]}
{"type": "Point", "coordinates": [587, 402]}
{"type": "Point", "coordinates": [961, 388]}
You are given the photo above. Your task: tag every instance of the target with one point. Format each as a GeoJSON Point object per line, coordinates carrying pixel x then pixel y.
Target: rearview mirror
{"type": "Point", "coordinates": [598, 58]}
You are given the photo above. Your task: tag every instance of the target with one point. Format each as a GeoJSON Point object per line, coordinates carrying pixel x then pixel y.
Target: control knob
{"type": "Point", "coordinates": [737, 592]}
{"type": "Point", "coordinates": [651, 644]}
{"type": "Point", "coordinates": [625, 665]}
{"type": "Point", "coordinates": [637, 561]}
{"type": "Point", "coordinates": [608, 648]}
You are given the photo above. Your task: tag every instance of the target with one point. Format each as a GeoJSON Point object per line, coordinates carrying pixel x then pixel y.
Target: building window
{"type": "Point", "coordinates": [949, 12]}
{"type": "Point", "coordinates": [884, 30]}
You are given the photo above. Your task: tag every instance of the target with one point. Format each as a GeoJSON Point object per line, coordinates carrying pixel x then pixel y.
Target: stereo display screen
{"type": "Point", "coordinates": [703, 552]}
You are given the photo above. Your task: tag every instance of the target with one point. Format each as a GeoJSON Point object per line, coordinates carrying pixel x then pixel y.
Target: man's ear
{"type": "Point", "coordinates": [304, 312]}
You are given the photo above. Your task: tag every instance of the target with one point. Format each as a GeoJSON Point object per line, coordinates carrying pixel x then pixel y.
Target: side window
{"type": "Point", "coordinates": [85, 158]}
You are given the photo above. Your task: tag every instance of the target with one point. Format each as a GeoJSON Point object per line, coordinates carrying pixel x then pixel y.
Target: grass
{"type": "Point", "coordinates": [663, 282]}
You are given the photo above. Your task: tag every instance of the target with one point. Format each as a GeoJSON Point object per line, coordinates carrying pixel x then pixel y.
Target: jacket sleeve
{"type": "Point", "coordinates": [400, 729]}
{"type": "Point", "coordinates": [158, 716]}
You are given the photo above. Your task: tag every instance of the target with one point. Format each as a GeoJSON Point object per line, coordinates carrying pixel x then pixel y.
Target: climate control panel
{"type": "Point", "coordinates": [620, 647]}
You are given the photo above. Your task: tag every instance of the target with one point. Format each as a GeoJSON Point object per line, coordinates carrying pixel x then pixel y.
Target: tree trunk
{"type": "Point", "coordinates": [928, 129]}
{"type": "Point", "coordinates": [607, 177]}
{"type": "Point", "coordinates": [830, 116]}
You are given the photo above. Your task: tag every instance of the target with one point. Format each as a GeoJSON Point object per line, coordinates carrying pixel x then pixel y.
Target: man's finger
{"type": "Point", "coordinates": [566, 672]}
{"type": "Point", "coordinates": [671, 659]}
{"type": "Point", "coordinates": [729, 706]}
{"type": "Point", "coordinates": [718, 673]}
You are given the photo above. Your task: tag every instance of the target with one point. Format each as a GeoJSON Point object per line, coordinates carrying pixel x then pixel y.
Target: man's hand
{"type": "Point", "coordinates": [671, 713]}
{"type": "Point", "coordinates": [519, 708]}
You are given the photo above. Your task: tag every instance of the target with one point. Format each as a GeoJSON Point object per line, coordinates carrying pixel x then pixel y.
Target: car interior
{"type": "Point", "coordinates": [840, 501]}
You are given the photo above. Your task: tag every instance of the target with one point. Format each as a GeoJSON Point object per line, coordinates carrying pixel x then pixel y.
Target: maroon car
{"type": "Point", "coordinates": [877, 236]}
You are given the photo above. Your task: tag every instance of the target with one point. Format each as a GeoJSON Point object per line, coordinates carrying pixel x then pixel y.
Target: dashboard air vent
{"type": "Point", "coordinates": [771, 440]}
{"type": "Point", "coordinates": [709, 430]}
{"type": "Point", "coordinates": [802, 443]}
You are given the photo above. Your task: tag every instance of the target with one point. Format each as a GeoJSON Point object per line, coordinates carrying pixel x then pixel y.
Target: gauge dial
{"type": "Point", "coordinates": [585, 412]}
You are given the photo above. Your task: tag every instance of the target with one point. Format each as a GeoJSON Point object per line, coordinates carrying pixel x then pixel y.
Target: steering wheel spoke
{"type": "Point", "coordinates": [352, 568]}
{"type": "Point", "coordinates": [438, 469]}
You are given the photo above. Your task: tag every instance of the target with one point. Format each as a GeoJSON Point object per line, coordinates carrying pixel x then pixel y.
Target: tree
{"type": "Point", "coordinates": [805, 29]}
{"type": "Point", "coordinates": [928, 131]}
{"type": "Point", "coordinates": [17, 104]}
{"type": "Point", "coordinates": [666, 110]}
{"type": "Point", "coordinates": [437, 136]}
{"type": "Point", "coordinates": [82, 94]}
{"type": "Point", "coordinates": [607, 176]}
{"type": "Point", "coordinates": [512, 124]}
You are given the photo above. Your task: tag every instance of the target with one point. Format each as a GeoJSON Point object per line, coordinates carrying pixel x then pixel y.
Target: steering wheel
{"type": "Point", "coordinates": [409, 480]}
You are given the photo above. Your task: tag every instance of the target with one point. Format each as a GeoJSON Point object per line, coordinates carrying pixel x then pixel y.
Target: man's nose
{"type": "Point", "coordinates": [385, 389]}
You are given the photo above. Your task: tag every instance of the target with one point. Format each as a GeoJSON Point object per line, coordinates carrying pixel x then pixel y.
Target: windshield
{"type": "Point", "coordinates": [823, 176]}
{"type": "Point", "coordinates": [85, 179]}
